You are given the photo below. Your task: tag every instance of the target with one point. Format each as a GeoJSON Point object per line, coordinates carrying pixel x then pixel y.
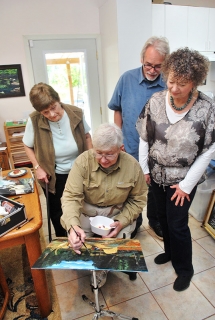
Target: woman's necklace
{"type": "Point", "coordinates": [184, 106]}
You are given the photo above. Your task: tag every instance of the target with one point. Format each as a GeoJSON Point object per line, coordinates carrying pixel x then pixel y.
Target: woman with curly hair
{"type": "Point", "coordinates": [177, 137]}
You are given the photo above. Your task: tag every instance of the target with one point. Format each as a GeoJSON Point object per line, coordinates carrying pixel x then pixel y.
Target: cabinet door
{"type": "Point", "coordinates": [176, 26]}
{"type": "Point", "coordinates": [158, 20]}
{"type": "Point", "coordinates": [198, 28]}
{"type": "Point", "coordinates": [211, 30]}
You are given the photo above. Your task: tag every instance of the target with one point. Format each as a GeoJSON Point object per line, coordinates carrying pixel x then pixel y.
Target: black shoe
{"type": "Point", "coordinates": [182, 282]}
{"type": "Point", "coordinates": [133, 234]}
{"type": "Point", "coordinates": [132, 275]}
{"type": "Point", "coordinates": [157, 230]}
{"type": "Point", "coordinates": [162, 258]}
{"type": "Point", "coordinates": [138, 224]}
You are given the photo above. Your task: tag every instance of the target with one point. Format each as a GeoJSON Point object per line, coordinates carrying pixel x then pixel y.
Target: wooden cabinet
{"type": "Point", "coordinates": [4, 158]}
{"type": "Point", "coordinates": [16, 151]}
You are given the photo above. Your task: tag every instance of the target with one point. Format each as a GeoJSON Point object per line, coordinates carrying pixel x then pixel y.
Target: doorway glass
{"type": "Point", "coordinates": [71, 67]}
{"type": "Point", "coordinates": [67, 75]}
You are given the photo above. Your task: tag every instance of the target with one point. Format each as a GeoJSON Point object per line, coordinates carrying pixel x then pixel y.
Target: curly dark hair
{"type": "Point", "coordinates": [186, 64]}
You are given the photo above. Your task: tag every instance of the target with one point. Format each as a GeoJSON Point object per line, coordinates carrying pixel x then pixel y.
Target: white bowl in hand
{"type": "Point", "coordinates": [101, 225]}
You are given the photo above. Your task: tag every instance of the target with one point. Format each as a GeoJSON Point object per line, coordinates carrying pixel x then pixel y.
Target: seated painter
{"type": "Point", "coordinates": [103, 181]}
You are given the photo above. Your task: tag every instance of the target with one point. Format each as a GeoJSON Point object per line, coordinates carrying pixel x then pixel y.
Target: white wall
{"type": "Point", "coordinates": [110, 54]}
{"type": "Point", "coordinates": [123, 34]}
{"type": "Point", "coordinates": [134, 28]}
{"type": "Point", "coordinates": [40, 17]}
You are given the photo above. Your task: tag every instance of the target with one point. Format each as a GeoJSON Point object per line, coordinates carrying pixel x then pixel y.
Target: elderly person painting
{"type": "Point", "coordinates": [56, 133]}
{"type": "Point", "coordinates": [103, 181]}
{"type": "Point", "coordinates": [176, 142]}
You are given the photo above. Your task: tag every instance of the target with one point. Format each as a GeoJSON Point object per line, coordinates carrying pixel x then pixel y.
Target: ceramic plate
{"type": "Point", "coordinates": [17, 173]}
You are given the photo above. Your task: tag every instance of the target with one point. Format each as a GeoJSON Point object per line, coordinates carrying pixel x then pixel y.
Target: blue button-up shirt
{"type": "Point", "coordinates": [132, 92]}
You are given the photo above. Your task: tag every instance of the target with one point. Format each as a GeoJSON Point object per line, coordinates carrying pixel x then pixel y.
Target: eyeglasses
{"type": "Point", "coordinates": [99, 156]}
{"type": "Point", "coordinates": [149, 66]}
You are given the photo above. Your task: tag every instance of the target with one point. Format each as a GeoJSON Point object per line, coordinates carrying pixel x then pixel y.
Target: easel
{"type": "Point", "coordinates": [99, 312]}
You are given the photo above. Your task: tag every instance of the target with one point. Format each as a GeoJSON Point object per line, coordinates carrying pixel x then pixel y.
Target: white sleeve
{"type": "Point", "coordinates": [196, 170]}
{"type": "Point", "coordinates": [86, 126]}
{"type": "Point", "coordinates": [143, 155]}
{"type": "Point", "coordinates": [28, 138]}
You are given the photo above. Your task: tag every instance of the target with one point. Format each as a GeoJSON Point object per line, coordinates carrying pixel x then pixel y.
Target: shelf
{"type": "Point", "coordinates": [16, 150]}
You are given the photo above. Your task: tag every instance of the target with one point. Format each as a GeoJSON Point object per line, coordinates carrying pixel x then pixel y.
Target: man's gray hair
{"type": "Point", "coordinates": [106, 136]}
{"type": "Point", "coordinates": [160, 44]}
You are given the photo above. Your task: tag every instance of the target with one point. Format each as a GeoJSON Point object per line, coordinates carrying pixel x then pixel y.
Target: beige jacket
{"type": "Point", "coordinates": [88, 182]}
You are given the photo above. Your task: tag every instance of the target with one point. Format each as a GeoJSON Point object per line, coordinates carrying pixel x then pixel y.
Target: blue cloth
{"type": "Point", "coordinates": [132, 92]}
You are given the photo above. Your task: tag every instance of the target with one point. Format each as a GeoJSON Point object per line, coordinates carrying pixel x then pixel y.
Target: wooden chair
{"type": "Point", "coordinates": [5, 289]}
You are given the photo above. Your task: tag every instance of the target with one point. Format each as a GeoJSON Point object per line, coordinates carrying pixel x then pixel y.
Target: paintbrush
{"type": "Point", "coordinates": [80, 239]}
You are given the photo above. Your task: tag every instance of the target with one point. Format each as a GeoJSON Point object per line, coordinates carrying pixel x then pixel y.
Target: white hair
{"type": "Point", "coordinates": [160, 44]}
{"type": "Point", "coordinates": [106, 136]}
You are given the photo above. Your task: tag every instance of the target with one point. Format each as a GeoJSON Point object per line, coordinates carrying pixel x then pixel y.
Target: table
{"type": "Point", "coordinates": [28, 234]}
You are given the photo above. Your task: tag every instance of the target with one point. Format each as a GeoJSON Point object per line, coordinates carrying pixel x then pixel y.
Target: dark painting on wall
{"type": "Point", "coordinates": [11, 82]}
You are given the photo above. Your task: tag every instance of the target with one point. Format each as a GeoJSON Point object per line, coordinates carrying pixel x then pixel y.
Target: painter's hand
{"type": "Point", "coordinates": [114, 232]}
{"type": "Point", "coordinates": [42, 175]}
{"type": "Point", "coordinates": [76, 240]}
{"type": "Point", "coordinates": [179, 195]}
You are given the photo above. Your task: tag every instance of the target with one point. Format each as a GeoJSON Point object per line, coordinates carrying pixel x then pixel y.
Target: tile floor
{"type": "Point", "coordinates": [151, 296]}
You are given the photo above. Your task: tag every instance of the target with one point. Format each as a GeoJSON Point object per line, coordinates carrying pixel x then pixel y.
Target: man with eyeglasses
{"type": "Point", "coordinates": [134, 88]}
{"type": "Point", "coordinates": [103, 181]}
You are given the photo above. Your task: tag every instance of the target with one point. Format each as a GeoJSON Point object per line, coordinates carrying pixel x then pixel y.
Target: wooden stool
{"type": "Point", "coordinates": [5, 289]}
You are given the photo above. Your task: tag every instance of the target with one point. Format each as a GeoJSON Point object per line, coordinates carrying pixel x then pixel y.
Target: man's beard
{"type": "Point", "coordinates": [155, 77]}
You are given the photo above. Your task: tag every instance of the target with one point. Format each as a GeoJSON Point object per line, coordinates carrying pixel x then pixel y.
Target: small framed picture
{"type": "Point", "coordinates": [209, 219]}
{"type": "Point", "coordinates": [11, 81]}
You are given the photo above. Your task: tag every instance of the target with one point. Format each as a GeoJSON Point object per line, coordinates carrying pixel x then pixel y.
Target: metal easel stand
{"type": "Point", "coordinates": [99, 312]}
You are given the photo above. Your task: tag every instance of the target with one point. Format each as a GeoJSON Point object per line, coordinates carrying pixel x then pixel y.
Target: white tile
{"type": "Point", "coordinates": [197, 231]}
{"type": "Point", "coordinates": [205, 282]}
{"type": "Point", "coordinates": [208, 243]}
{"type": "Point", "coordinates": [148, 244]}
{"type": "Point", "coordinates": [124, 289]}
{"type": "Point", "coordinates": [157, 275]}
{"type": "Point", "coordinates": [202, 260]}
{"type": "Point", "coordinates": [187, 305]}
{"type": "Point", "coordinates": [70, 298]}
{"type": "Point", "coordinates": [143, 307]}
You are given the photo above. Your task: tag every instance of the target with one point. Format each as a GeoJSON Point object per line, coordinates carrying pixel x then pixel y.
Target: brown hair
{"type": "Point", "coordinates": [186, 64]}
{"type": "Point", "coordinates": [42, 96]}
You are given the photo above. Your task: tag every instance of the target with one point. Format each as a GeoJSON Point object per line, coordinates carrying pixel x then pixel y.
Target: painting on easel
{"type": "Point", "coordinates": [100, 254]}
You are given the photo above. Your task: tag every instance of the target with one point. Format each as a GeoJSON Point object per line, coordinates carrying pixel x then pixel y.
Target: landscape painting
{"type": "Point", "coordinates": [11, 81]}
{"type": "Point", "coordinates": [99, 254]}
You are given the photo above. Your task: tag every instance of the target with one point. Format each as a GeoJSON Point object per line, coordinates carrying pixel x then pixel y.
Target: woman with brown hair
{"type": "Point", "coordinates": [56, 133]}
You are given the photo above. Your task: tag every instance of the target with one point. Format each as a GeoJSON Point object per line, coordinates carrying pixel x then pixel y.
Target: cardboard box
{"type": "Point", "coordinates": [13, 219]}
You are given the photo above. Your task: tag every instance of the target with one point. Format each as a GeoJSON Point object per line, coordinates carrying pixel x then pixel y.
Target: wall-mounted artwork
{"type": "Point", "coordinates": [11, 82]}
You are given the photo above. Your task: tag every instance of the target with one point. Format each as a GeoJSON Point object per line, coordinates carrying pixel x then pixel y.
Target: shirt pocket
{"type": "Point", "coordinates": [91, 191]}
{"type": "Point", "coordinates": [123, 190]}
